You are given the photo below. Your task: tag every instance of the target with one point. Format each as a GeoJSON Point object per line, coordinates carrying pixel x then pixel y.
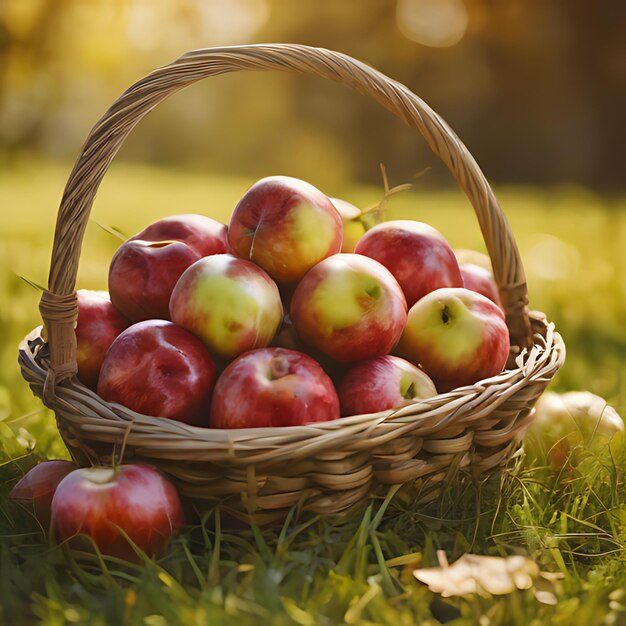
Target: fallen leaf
{"type": "Point", "coordinates": [486, 575]}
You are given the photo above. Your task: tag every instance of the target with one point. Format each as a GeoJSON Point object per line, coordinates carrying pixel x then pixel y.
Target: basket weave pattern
{"type": "Point", "coordinates": [331, 466]}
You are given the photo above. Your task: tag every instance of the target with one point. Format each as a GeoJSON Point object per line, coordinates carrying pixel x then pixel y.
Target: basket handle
{"type": "Point", "coordinates": [58, 304]}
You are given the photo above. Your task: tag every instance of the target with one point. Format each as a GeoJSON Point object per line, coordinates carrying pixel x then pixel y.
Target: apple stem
{"type": "Point", "coordinates": [256, 230]}
{"type": "Point", "coordinates": [373, 292]}
{"type": "Point", "coordinates": [279, 367]}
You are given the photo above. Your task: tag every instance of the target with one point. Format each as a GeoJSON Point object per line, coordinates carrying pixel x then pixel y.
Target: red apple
{"type": "Point", "coordinates": [457, 336]}
{"type": "Point", "coordinates": [480, 280]}
{"type": "Point", "coordinates": [285, 226]}
{"type": "Point", "coordinates": [353, 227]}
{"type": "Point", "coordinates": [158, 368]}
{"type": "Point", "coordinates": [230, 303]}
{"type": "Point", "coordinates": [201, 233]}
{"type": "Point", "coordinates": [98, 324]}
{"type": "Point", "coordinates": [416, 254]}
{"type": "Point", "coordinates": [385, 382]}
{"type": "Point", "coordinates": [36, 488]}
{"type": "Point", "coordinates": [349, 307]}
{"type": "Point", "coordinates": [109, 504]}
{"type": "Point", "coordinates": [145, 268]}
{"type": "Point", "coordinates": [273, 387]}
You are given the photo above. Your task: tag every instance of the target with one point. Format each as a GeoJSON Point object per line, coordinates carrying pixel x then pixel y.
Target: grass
{"type": "Point", "coordinates": [333, 571]}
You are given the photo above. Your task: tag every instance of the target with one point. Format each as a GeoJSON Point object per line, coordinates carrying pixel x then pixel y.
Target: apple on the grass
{"type": "Point", "coordinates": [145, 268]}
{"type": "Point", "coordinates": [567, 425]}
{"type": "Point", "coordinates": [353, 227]}
{"type": "Point", "coordinates": [477, 278]}
{"type": "Point", "coordinates": [286, 226]}
{"type": "Point", "coordinates": [416, 254]}
{"type": "Point", "coordinates": [36, 488]}
{"type": "Point", "coordinates": [382, 383]}
{"type": "Point", "coordinates": [349, 307]}
{"type": "Point", "coordinates": [158, 368]}
{"type": "Point", "coordinates": [98, 324]}
{"type": "Point", "coordinates": [113, 504]}
{"type": "Point", "coordinates": [230, 303]}
{"type": "Point", "coordinates": [273, 387]}
{"type": "Point", "coordinates": [457, 336]}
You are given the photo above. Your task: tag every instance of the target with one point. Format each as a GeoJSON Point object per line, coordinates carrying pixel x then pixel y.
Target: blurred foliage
{"type": "Point", "coordinates": [535, 89]}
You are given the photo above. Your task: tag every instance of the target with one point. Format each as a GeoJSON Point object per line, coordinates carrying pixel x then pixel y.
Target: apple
{"type": "Point", "coordinates": [110, 504]}
{"type": "Point", "coordinates": [349, 307]}
{"type": "Point", "coordinates": [230, 303]}
{"type": "Point", "coordinates": [465, 255]}
{"type": "Point", "coordinates": [158, 368]}
{"type": "Point", "coordinates": [477, 278]}
{"type": "Point", "coordinates": [286, 226]}
{"type": "Point", "coordinates": [416, 254]}
{"type": "Point", "coordinates": [566, 424]}
{"type": "Point", "coordinates": [353, 227]}
{"type": "Point", "coordinates": [382, 383]}
{"type": "Point", "coordinates": [98, 324]}
{"type": "Point", "coordinates": [36, 488]}
{"type": "Point", "coordinates": [273, 387]}
{"type": "Point", "coordinates": [457, 336]}
{"type": "Point", "coordinates": [201, 233]}
{"type": "Point", "coordinates": [145, 268]}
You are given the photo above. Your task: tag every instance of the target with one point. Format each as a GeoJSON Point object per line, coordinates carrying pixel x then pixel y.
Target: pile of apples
{"type": "Point", "coordinates": [291, 315]}
{"type": "Point", "coordinates": [278, 320]}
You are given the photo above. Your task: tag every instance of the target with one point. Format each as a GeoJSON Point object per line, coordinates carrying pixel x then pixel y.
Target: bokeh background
{"type": "Point", "coordinates": [537, 91]}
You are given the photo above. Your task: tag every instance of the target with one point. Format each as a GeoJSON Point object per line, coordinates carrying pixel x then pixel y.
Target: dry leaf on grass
{"type": "Point", "coordinates": [487, 575]}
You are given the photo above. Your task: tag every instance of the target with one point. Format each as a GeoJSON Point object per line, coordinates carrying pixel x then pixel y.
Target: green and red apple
{"type": "Point", "coordinates": [457, 336]}
{"type": "Point", "coordinates": [285, 226]}
{"type": "Point", "coordinates": [228, 302]}
{"type": "Point", "coordinates": [382, 383]}
{"type": "Point", "coordinates": [353, 226]}
{"type": "Point", "coordinates": [349, 307]}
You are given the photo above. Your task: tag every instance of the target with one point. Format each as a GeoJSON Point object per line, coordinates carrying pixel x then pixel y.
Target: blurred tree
{"type": "Point", "coordinates": [537, 90]}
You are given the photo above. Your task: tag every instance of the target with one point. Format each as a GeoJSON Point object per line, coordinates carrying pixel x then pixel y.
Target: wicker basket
{"type": "Point", "coordinates": [327, 468]}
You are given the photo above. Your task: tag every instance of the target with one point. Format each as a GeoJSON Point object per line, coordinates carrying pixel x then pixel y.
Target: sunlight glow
{"type": "Point", "coordinates": [232, 21]}
{"type": "Point", "coordinates": [435, 23]}
{"type": "Point", "coordinates": [551, 258]}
